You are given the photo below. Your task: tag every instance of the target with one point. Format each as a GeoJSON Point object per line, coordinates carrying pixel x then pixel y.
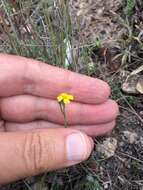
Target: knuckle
{"type": "Point", "coordinates": [67, 85]}
{"type": "Point", "coordinates": [28, 82]}
{"type": "Point", "coordinates": [2, 126]}
{"type": "Point", "coordinates": [33, 152]}
{"type": "Point", "coordinates": [39, 152]}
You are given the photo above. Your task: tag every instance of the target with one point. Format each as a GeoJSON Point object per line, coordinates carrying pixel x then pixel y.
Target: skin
{"type": "Point", "coordinates": [32, 136]}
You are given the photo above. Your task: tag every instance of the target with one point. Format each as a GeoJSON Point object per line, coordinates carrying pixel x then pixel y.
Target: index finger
{"type": "Point", "coordinates": [19, 75]}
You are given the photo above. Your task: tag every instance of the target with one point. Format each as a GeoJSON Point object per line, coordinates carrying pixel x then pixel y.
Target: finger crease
{"type": "Point", "coordinates": [28, 83]}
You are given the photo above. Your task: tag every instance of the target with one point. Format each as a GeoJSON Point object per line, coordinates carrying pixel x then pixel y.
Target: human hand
{"type": "Point", "coordinates": [32, 137]}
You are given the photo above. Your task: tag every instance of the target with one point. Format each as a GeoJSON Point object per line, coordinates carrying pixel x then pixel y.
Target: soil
{"type": "Point", "coordinates": [96, 19]}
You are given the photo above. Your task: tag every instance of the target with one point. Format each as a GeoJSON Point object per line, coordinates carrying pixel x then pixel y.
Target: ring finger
{"type": "Point", "coordinates": [91, 130]}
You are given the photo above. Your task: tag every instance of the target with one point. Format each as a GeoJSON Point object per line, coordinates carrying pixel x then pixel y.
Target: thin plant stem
{"type": "Point", "coordinates": [62, 107]}
{"type": "Point", "coordinates": [65, 119]}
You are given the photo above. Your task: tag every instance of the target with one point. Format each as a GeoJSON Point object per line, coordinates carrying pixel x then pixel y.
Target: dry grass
{"type": "Point", "coordinates": [43, 30]}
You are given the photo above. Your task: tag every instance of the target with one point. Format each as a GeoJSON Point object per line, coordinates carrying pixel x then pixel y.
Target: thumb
{"type": "Point", "coordinates": [25, 154]}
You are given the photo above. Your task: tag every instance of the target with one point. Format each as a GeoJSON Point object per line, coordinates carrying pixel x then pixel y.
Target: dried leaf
{"type": "Point", "coordinates": [105, 54]}
{"type": "Point", "coordinates": [138, 70]}
{"type": "Point", "coordinates": [129, 86]}
{"type": "Point", "coordinates": [139, 86]}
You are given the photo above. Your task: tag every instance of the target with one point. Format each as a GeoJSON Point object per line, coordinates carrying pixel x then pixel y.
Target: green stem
{"type": "Point", "coordinates": [62, 107]}
{"type": "Point", "coordinates": [65, 119]}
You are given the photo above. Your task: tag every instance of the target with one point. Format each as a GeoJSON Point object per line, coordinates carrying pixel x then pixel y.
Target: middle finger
{"type": "Point", "coordinates": [27, 108]}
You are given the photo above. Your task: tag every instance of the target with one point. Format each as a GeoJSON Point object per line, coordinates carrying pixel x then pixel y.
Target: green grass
{"type": "Point", "coordinates": [43, 31]}
{"type": "Point", "coordinates": [129, 7]}
{"type": "Point", "coordinates": [36, 36]}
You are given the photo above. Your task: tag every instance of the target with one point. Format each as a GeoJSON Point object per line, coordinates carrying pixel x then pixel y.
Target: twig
{"type": "Point", "coordinates": [134, 112]}
{"type": "Point", "coordinates": [127, 155]}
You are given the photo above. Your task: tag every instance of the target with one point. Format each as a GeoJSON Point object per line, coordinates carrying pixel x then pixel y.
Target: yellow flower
{"type": "Point", "coordinates": [65, 98]}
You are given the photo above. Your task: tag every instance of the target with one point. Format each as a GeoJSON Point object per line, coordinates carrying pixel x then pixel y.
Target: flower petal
{"type": "Point", "coordinates": [66, 101]}
{"type": "Point", "coordinates": [59, 98]}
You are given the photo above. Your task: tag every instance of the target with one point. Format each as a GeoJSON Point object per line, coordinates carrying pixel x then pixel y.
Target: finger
{"type": "Point", "coordinates": [29, 108]}
{"type": "Point", "coordinates": [32, 153]}
{"type": "Point", "coordinates": [2, 126]}
{"type": "Point", "coordinates": [91, 130]}
{"type": "Point", "coordinates": [20, 75]}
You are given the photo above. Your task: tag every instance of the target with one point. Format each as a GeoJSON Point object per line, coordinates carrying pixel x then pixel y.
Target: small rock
{"type": "Point", "coordinates": [130, 136]}
{"type": "Point", "coordinates": [106, 185]}
{"type": "Point", "coordinates": [141, 113]}
{"type": "Point", "coordinates": [108, 147]}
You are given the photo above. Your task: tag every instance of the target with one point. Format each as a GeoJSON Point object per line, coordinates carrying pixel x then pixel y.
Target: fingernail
{"type": "Point", "coordinates": [76, 147]}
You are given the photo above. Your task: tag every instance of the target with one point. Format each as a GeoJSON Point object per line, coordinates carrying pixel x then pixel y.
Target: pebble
{"type": "Point", "coordinates": [108, 147]}
{"type": "Point", "coordinates": [130, 136]}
